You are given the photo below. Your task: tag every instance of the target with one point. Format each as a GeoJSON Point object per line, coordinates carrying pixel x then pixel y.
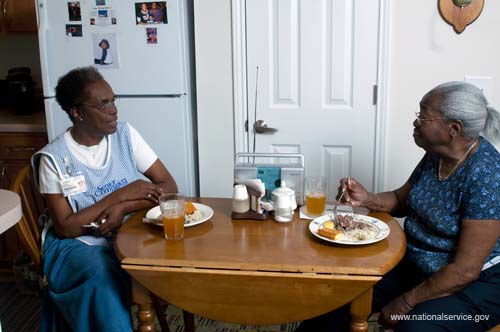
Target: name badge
{"type": "Point", "coordinates": [73, 185]}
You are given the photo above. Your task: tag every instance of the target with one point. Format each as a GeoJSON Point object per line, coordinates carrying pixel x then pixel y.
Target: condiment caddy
{"type": "Point", "coordinates": [246, 202]}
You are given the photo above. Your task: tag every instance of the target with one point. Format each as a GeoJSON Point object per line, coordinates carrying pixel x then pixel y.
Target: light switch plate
{"type": "Point", "coordinates": [485, 83]}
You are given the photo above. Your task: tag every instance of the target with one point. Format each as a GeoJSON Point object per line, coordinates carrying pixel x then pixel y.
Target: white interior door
{"type": "Point", "coordinates": [317, 64]}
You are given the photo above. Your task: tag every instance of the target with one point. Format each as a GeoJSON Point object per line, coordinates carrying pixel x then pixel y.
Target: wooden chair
{"type": "Point", "coordinates": [29, 230]}
{"type": "Point", "coordinates": [33, 205]}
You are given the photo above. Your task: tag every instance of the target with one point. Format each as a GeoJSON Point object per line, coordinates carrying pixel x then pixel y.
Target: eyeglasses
{"type": "Point", "coordinates": [420, 119]}
{"type": "Point", "coordinates": [104, 107]}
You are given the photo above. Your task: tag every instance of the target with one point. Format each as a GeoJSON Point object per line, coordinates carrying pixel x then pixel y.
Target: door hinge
{"type": "Point", "coordinates": [375, 90]}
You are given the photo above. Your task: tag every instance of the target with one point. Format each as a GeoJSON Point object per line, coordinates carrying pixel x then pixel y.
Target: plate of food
{"type": "Point", "coordinates": [195, 214]}
{"type": "Point", "coordinates": [349, 228]}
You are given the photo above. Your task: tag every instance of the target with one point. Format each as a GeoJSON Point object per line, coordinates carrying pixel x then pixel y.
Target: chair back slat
{"type": "Point", "coordinates": [36, 207]}
{"type": "Point", "coordinates": [29, 228]}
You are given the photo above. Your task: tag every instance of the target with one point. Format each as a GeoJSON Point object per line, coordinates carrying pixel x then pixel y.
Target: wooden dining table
{"type": "Point", "coordinates": [253, 272]}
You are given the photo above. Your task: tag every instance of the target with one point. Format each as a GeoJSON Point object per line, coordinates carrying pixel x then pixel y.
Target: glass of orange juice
{"type": "Point", "coordinates": [172, 214]}
{"type": "Point", "coordinates": [315, 195]}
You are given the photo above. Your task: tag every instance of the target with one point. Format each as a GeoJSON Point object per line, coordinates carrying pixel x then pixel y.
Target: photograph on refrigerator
{"type": "Point", "coordinates": [151, 12]}
{"type": "Point", "coordinates": [105, 50]}
{"type": "Point", "coordinates": [152, 35]}
{"type": "Point", "coordinates": [74, 11]}
{"type": "Point", "coordinates": [74, 30]}
{"type": "Point", "coordinates": [102, 17]}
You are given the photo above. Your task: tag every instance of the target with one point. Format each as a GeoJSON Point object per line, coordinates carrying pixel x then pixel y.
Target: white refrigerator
{"type": "Point", "coordinates": [149, 66]}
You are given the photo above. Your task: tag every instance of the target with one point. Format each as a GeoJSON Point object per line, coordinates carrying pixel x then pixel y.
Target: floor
{"type": "Point", "coordinates": [18, 312]}
{"type": "Point", "coordinates": [20, 309]}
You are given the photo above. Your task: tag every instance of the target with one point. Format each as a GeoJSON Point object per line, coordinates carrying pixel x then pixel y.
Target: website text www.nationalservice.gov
{"type": "Point", "coordinates": [437, 317]}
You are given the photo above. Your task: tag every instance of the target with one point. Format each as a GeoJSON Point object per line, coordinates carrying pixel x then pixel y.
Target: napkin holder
{"type": "Point", "coordinates": [271, 168]}
{"type": "Point", "coordinates": [256, 212]}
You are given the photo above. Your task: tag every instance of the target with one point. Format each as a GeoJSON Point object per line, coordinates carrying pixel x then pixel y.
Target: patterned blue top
{"type": "Point", "coordinates": [437, 207]}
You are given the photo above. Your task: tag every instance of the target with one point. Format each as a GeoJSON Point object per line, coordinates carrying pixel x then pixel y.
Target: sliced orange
{"type": "Point", "coordinates": [189, 208]}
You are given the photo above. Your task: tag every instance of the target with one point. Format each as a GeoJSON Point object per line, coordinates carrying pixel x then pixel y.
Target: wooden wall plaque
{"type": "Point", "coordinates": [460, 17]}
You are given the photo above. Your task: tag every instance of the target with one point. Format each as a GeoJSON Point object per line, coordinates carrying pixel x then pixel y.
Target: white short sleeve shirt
{"type": "Point", "coordinates": [94, 156]}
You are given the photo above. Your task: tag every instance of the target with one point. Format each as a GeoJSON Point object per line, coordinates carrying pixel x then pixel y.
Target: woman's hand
{"type": "Point", "coordinates": [110, 219]}
{"type": "Point", "coordinates": [398, 306]}
{"type": "Point", "coordinates": [140, 189]}
{"type": "Point", "coordinates": [355, 194]}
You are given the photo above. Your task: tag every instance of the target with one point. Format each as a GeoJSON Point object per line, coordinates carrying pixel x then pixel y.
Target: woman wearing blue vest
{"type": "Point", "coordinates": [449, 278]}
{"type": "Point", "coordinates": [90, 175]}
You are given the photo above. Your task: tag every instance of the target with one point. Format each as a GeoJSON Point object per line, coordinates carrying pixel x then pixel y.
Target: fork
{"type": "Point", "coordinates": [91, 225]}
{"type": "Point", "coordinates": [95, 224]}
{"type": "Point", "coordinates": [338, 201]}
{"type": "Point", "coordinates": [337, 205]}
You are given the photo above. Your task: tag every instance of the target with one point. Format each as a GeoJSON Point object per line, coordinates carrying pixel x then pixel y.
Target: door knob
{"type": "Point", "coordinates": [261, 127]}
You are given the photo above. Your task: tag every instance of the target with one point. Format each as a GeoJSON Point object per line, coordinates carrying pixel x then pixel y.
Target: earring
{"type": "Point", "coordinates": [453, 133]}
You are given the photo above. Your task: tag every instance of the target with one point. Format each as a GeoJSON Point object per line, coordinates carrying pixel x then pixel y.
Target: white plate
{"type": "Point", "coordinates": [383, 229]}
{"type": "Point", "coordinates": [206, 211]}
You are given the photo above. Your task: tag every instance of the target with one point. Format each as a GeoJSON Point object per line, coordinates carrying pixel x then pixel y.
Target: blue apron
{"type": "Point", "coordinates": [87, 288]}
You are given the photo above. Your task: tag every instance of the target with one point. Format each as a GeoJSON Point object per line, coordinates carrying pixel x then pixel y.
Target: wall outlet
{"type": "Point", "coordinates": [485, 83]}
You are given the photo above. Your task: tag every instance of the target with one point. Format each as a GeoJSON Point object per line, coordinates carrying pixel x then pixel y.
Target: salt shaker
{"type": "Point", "coordinates": [283, 211]}
{"type": "Point", "coordinates": [241, 201]}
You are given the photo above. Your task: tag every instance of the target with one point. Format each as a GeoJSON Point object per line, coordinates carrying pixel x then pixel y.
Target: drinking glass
{"type": "Point", "coordinates": [315, 195]}
{"type": "Point", "coordinates": [172, 214]}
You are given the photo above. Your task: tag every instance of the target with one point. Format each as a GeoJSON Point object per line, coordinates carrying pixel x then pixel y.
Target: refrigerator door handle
{"type": "Point", "coordinates": [43, 37]}
{"type": "Point", "coordinates": [178, 95]}
{"type": "Point", "coordinates": [37, 16]}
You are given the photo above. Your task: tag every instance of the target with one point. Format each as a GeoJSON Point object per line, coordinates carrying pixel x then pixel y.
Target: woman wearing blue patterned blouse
{"type": "Point", "coordinates": [452, 207]}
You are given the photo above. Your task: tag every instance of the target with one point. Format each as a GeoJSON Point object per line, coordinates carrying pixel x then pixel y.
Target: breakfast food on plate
{"type": "Point", "coordinates": [190, 208]}
{"type": "Point", "coordinates": [191, 213]}
{"type": "Point", "coordinates": [330, 233]}
{"type": "Point", "coordinates": [346, 228]}
{"type": "Point", "coordinates": [329, 224]}
{"type": "Point", "coordinates": [355, 230]}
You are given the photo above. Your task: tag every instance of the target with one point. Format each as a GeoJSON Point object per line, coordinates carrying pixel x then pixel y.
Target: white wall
{"type": "Point", "coordinates": [423, 52]}
{"type": "Point", "coordinates": [214, 96]}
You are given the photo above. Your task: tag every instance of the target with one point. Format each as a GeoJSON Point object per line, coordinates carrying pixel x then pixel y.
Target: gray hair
{"type": "Point", "coordinates": [467, 103]}
{"type": "Point", "coordinates": [71, 86]}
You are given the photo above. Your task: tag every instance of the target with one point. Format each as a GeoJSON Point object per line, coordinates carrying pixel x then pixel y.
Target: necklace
{"type": "Point", "coordinates": [460, 161]}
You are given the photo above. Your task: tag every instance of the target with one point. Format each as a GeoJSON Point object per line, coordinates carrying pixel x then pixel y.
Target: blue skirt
{"type": "Point", "coordinates": [87, 288]}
